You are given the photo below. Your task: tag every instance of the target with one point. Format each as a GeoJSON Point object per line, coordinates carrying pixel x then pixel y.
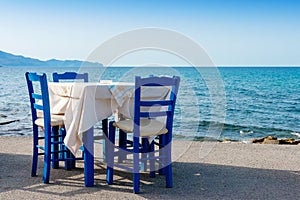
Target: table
{"type": "Point", "coordinates": [84, 104]}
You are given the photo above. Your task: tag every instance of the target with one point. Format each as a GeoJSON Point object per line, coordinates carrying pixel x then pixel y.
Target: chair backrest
{"type": "Point", "coordinates": [70, 76]}
{"type": "Point", "coordinates": [166, 106]}
{"type": "Point", "coordinates": [39, 98]}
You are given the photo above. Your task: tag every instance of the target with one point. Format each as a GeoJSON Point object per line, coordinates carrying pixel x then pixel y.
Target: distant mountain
{"type": "Point", "coordinates": [11, 60]}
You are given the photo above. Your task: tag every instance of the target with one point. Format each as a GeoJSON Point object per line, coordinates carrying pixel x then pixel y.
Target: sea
{"type": "Point", "coordinates": [213, 103]}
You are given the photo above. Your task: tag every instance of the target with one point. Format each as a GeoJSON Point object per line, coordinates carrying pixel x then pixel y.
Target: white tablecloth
{"type": "Point", "coordinates": [84, 104]}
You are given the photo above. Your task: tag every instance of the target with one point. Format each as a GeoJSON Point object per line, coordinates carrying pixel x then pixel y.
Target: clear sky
{"type": "Point", "coordinates": [233, 32]}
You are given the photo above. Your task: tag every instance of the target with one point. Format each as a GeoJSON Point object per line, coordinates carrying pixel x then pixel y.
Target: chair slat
{"type": "Point", "coordinates": [158, 81]}
{"type": "Point", "coordinates": [154, 114]}
{"type": "Point", "coordinates": [158, 103]}
{"type": "Point", "coordinates": [37, 96]}
{"type": "Point", "coordinates": [33, 77]}
{"type": "Point", "coordinates": [38, 106]}
{"type": "Point", "coordinates": [69, 76]}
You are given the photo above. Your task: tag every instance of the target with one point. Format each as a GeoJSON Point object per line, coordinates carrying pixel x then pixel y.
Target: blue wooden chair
{"type": "Point", "coordinates": [70, 76]}
{"type": "Point", "coordinates": [145, 125]}
{"type": "Point", "coordinates": [48, 144]}
{"type": "Point", "coordinates": [76, 76]}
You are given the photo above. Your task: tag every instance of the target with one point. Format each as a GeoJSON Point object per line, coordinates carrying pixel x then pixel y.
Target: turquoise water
{"type": "Point", "coordinates": [237, 103]}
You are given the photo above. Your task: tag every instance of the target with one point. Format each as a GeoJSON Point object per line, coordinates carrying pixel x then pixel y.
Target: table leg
{"type": "Point", "coordinates": [88, 143]}
{"type": "Point", "coordinates": [105, 137]}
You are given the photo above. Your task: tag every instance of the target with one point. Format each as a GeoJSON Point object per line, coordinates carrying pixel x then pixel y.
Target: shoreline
{"type": "Point", "coordinates": [201, 170]}
{"type": "Point", "coordinates": [269, 139]}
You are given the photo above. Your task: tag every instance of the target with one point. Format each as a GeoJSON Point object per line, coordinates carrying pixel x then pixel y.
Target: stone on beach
{"type": "Point", "coordinates": [274, 140]}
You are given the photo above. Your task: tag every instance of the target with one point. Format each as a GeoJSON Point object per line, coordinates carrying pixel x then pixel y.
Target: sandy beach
{"type": "Point", "coordinates": [201, 170]}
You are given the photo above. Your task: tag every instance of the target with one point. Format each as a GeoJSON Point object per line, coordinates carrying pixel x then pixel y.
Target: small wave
{"type": "Point", "coordinates": [13, 134]}
{"type": "Point", "coordinates": [245, 132]}
{"type": "Point", "coordinates": [240, 132]}
{"type": "Point", "coordinates": [296, 134]}
{"type": "Point", "coordinates": [8, 122]}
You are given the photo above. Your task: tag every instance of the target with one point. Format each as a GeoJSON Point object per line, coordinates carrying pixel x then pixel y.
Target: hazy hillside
{"type": "Point", "coordinates": [7, 59]}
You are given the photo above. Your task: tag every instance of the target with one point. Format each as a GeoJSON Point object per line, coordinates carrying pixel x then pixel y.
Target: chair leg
{"type": "Point", "coordinates": [145, 151]}
{"type": "Point", "coordinates": [73, 161]}
{"type": "Point", "coordinates": [122, 145]}
{"type": "Point", "coordinates": [169, 179]}
{"type": "Point", "coordinates": [162, 142]}
{"type": "Point", "coordinates": [55, 147]}
{"type": "Point", "coordinates": [105, 134]}
{"type": "Point", "coordinates": [110, 154]}
{"type": "Point", "coordinates": [136, 165]}
{"type": "Point", "coordinates": [105, 126]}
{"type": "Point", "coordinates": [168, 150]}
{"type": "Point", "coordinates": [88, 141]}
{"type": "Point", "coordinates": [35, 151]}
{"type": "Point", "coordinates": [68, 160]}
{"type": "Point", "coordinates": [66, 155]}
{"type": "Point", "coordinates": [152, 161]}
{"type": "Point", "coordinates": [168, 168]}
{"type": "Point", "coordinates": [136, 183]}
{"type": "Point", "coordinates": [47, 158]}
{"type": "Point", "coordinates": [62, 134]}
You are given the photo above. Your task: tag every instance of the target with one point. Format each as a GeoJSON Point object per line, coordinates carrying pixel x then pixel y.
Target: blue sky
{"type": "Point", "coordinates": [232, 32]}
